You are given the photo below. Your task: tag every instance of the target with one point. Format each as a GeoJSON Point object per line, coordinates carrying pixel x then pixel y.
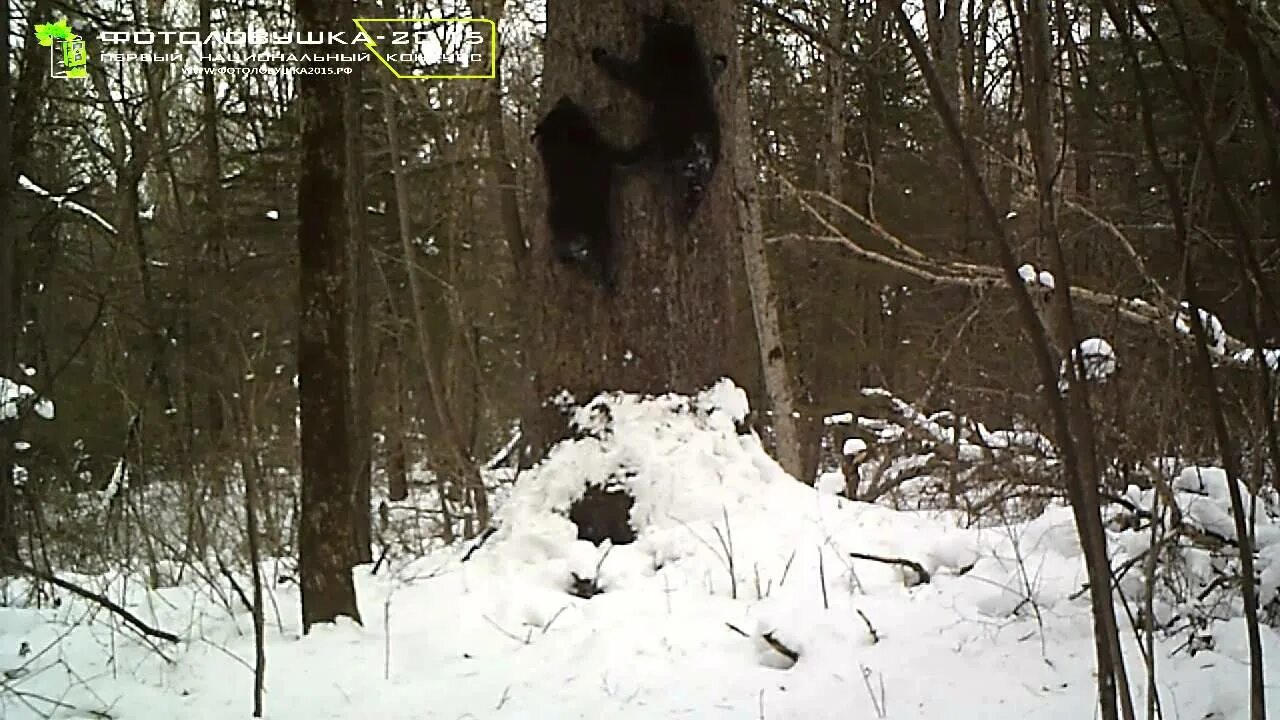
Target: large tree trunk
{"type": "Point", "coordinates": [17, 132]}
{"type": "Point", "coordinates": [667, 324]}
{"type": "Point", "coordinates": [326, 531]}
{"type": "Point", "coordinates": [210, 259]}
{"type": "Point", "coordinates": [8, 281]}
{"type": "Point", "coordinates": [360, 371]}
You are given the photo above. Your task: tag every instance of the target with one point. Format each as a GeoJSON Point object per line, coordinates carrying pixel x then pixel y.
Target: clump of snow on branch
{"type": "Point", "coordinates": [1031, 276]}
{"type": "Point", "coordinates": [854, 446]}
{"type": "Point", "coordinates": [1097, 357]}
{"type": "Point", "coordinates": [14, 396]}
{"type": "Point", "coordinates": [1212, 327]}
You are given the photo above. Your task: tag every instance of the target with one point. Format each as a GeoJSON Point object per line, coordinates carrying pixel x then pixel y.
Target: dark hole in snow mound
{"type": "Point", "coordinates": [585, 588]}
{"type": "Point", "coordinates": [604, 513]}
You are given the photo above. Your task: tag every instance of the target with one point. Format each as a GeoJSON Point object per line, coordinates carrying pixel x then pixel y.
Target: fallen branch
{"type": "Point", "coordinates": [908, 259]}
{"type": "Point", "coordinates": [488, 533]}
{"type": "Point", "coordinates": [773, 642]}
{"type": "Point", "coordinates": [382, 556]}
{"type": "Point", "coordinates": [781, 649]}
{"type": "Point", "coordinates": [102, 600]}
{"type": "Point", "coordinates": [875, 636]}
{"type": "Point", "coordinates": [921, 573]}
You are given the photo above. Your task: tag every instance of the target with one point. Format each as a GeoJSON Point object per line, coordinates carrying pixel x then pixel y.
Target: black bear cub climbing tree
{"type": "Point", "coordinates": [675, 76]}
{"type": "Point", "coordinates": [668, 212]}
{"type": "Point", "coordinates": [578, 165]}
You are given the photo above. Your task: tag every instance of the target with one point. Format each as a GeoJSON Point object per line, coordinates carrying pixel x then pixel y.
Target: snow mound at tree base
{"type": "Point", "coordinates": [680, 459]}
{"type": "Point", "coordinates": [702, 492]}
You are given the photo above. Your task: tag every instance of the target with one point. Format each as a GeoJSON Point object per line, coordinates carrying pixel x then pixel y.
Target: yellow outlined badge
{"type": "Point", "coordinates": [367, 26]}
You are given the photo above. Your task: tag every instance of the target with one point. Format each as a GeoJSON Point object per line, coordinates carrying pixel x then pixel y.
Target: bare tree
{"type": "Point", "coordinates": [326, 531]}
{"type": "Point", "coordinates": [358, 313]}
{"type": "Point", "coordinates": [778, 380]}
{"type": "Point", "coordinates": [8, 281]}
{"type": "Point", "coordinates": [1081, 487]}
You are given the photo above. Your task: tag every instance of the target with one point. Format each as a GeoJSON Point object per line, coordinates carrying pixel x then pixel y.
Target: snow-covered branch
{"type": "Point", "coordinates": [62, 201]}
{"type": "Point", "coordinates": [1162, 315]}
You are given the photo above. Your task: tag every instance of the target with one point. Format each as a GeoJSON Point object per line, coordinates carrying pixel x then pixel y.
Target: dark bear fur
{"type": "Point", "coordinates": [578, 164]}
{"type": "Point", "coordinates": [675, 78]}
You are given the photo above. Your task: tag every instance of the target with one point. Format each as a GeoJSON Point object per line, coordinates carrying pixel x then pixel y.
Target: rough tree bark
{"type": "Point", "coordinates": [360, 347]}
{"type": "Point", "coordinates": [8, 278]}
{"type": "Point", "coordinates": [326, 531]}
{"type": "Point", "coordinates": [667, 324]}
{"type": "Point", "coordinates": [17, 130]}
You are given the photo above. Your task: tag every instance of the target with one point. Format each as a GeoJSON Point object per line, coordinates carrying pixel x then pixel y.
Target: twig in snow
{"type": "Point", "coordinates": [1028, 586]}
{"type": "Point", "coordinates": [726, 563]}
{"type": "Point", "coordinates": [879, 704]}
{"type": "Point", "coordinates": [781, 649]}
{"type": "Point", "coordinates": [386, 637]}
{"type": "Point", "coordinates": [485, 535]}
{"type": "Point", "coordinates": [822, 579]}
{"type": "Point", "coordinates": [382, 556]}
{"type": "Point", "coordinates": [726, 544]}
{"type": "Point", "coordinates": [25, 697]}
{"type": "Point", "coordinates": [787, 568]}
{"type": "Point", "coordinates": [102, 600]}
{"type": "Point", "coordinates": [547, 627]}
{"type": "Point", "coordinates": [922, 575]}
{"type": "Point", "coordinates": [504, 631]}
{"type": "Point", "coordinates": [875, 636]}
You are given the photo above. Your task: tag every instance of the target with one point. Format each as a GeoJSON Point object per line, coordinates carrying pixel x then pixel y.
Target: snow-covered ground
{"type": "Point", "coordinates": [731, 551]}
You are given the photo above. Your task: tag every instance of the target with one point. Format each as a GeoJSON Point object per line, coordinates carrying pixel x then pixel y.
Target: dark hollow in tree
{"type": "Point", "coordinates": [578, 164]}
{"type": "Point", "coordinates": [673, 75]}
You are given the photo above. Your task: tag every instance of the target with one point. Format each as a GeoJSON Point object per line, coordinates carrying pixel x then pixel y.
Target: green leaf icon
{"type": "Point", "coordinates": [46, 33]}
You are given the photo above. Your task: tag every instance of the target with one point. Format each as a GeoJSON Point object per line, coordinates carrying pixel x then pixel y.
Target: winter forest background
{"type": "Point", "coordinates": [956, 397]}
